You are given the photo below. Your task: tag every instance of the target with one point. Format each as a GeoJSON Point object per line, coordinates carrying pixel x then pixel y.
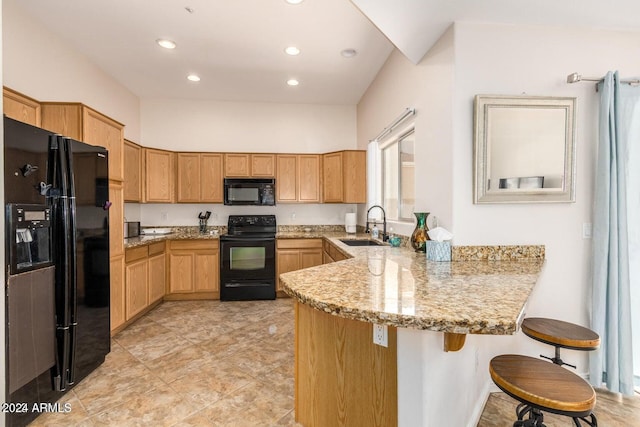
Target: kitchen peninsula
{"type": "Point", "coordinates": [342, 378]}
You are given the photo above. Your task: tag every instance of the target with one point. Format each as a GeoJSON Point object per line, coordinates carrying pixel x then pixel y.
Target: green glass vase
{"type": "Point", "coordinates": [419, 236]}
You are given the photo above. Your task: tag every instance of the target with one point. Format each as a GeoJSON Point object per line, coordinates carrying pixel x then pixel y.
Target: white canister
{"type": "Point", "coordinates": [350, 222]}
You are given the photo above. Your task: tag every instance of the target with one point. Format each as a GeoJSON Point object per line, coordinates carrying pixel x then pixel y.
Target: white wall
{"type": "Point", "coordinates": [42, 66]}
{"type": "Point", "coordinates": [195, 125]}
{"type": "Point", "coordinates": [427, 87]}
{"type": "Point", "coordinates": [510, 60]}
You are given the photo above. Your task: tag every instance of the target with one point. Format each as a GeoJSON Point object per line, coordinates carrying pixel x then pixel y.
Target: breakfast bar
{"type": "Point", "coordinates": [342, 378]}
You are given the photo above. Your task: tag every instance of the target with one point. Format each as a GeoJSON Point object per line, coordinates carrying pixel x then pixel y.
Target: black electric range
{"type": "Point", "coordinates": [248, 258]}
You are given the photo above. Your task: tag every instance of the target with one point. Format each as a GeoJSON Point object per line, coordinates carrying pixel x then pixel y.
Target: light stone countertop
{"type": "Point", "coordinates": [398, 287]}
{"type": "Point", "coordinates": [143, 240]}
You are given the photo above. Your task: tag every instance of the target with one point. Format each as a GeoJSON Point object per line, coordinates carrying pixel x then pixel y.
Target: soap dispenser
{"type": "Point", "coordinates": [375, 232]}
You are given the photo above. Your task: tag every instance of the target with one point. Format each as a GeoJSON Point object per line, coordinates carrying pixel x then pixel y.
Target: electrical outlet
{"type": "Point", "coordinates": [164, 216]}
{"type": "Point", "coordinates": [380, 335]}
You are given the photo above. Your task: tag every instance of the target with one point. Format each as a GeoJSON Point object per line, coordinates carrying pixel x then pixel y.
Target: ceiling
{"type": "Point", "coordinates": [237, 46]}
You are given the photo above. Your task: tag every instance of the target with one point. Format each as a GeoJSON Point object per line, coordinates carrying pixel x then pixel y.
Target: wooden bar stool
{"type": "Point", "coordinates": [543, 386]}
{"type": "Point", "coordinates": [560, 335]}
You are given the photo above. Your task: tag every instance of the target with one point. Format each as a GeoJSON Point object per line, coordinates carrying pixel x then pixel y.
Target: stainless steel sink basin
{"type": "Point", "coordinates": [354, 242]}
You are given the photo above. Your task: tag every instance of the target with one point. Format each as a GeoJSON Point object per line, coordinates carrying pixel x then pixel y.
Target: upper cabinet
{"type": "Point", "coordinates": [159, 176]}
{"type": "Point", "coordinates": [200, 178]}
{"type": "Point", "coordinates": [344, 177]}
{"type": "Point", "coordinates": [298, 178]}
{"type": "Point", "coordinates": [20, 107]}
{"type": "Point", "coordinates": [245, 165]}
{"type": "Point", "coordinates": [82, 123]}
{"type": "Point", "coordinates": [132, 154]}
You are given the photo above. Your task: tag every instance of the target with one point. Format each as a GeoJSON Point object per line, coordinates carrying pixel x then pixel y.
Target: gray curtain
{"type": "Point", "coordinates": [619, 128]}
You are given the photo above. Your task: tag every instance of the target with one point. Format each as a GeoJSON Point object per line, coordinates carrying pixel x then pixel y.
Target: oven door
{"type": "Point", "coordinates": [247, 268]}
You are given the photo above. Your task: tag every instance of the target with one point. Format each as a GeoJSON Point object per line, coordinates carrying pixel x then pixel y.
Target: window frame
{"type": "Point", "coordinates": [395, 140]}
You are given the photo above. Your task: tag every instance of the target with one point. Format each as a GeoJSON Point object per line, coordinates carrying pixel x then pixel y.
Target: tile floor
{"type": "Point", "coordinates": [212, 363]}
{"type": "Point", "coordinates": [193, 363]}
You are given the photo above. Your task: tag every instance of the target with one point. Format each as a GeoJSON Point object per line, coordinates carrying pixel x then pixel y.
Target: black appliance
{"type": "Point", "coordinates": [250, 191]}
{"type": "Point", "coordinates": [57, 317]}
{"type": "Point", "coordinates": [248, 258]}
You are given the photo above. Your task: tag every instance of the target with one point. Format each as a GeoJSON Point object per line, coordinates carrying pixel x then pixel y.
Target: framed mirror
{"type": "Point", "coordinates": [524, 149]}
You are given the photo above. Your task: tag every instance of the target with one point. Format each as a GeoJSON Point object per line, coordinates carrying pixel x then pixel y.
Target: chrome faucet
{"type": "Point", "coordinates": [384, 222]}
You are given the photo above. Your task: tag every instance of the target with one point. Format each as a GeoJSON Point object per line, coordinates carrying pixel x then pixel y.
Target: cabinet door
{"type": "Point", "coordinates": [116, 219]}
{"type": "Point", "coordinates": [355, 177]}
{"type": "Point", "coordinates": [332, 178]}
{"type": "Point", "coordinates": [102, 131]}
{"type": "Point", "coordinates": [286, 178]}
{"type": "Point", "coordinates": [211, 190]}
{"type": "Point", "coordinates": [181, 269]}
{"type": "Point", "coordinates": [236, 165]}
{"type": "Point", "coordinates": [132, 154]}
{"type": "Point", "coordinates": [263, 165]}
{"type": "Point", "coordinates": [188, 177]}
{"type": "Point", "coordinates": [310, 257]}
{"type": "Point", "coordinates": [309, 178]}
{"type": "Point", "coordinates": [206, 271]}
{"type": "Point", "coordinates": [136, 283]}
{"type": "Point", "coordinates": [286, 260]}
{"type": "Point", "coordinates": [159, 176]}
{"type": "Point", "coordinates": [117, 292]}
{"type": "Point", "coordinates": [20, 107]}
{"type": "Point", "coordinates": [157, 277]}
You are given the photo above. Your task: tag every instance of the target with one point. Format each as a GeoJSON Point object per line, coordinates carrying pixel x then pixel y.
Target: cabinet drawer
{"type": "Point", "coordinates": [193, 244]}
{"type": "Point", "coordinates": [299, 243]}
{"type": "Point", "coordinates": [135, 254]}
{"type": "Point", "coordinates": [156, 248]}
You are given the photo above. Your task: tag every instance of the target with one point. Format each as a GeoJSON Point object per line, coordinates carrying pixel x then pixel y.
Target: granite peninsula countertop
{"type": "Point", "coordinates": [485, 294]}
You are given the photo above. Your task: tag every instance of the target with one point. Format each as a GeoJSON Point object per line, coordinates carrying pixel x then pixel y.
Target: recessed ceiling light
{"type": "Point", "coordinates": [294, 1]}
{"type": "Point", "coordinates": [292, 50]}
{"type": "Point", "coordinates": [167, 44]}
{"type": "Point", "coordinates": [349, 53]}
{"type": "Point", "coordinates": [293, 82]}
{"type": "Point", "coordinates": [193, 78]}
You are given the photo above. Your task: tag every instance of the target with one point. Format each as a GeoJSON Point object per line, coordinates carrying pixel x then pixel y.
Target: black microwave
{"type": "Point", "coordinates": [250, 191]}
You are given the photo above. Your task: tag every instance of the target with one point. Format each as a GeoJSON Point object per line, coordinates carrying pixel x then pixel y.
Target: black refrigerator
{"type": "Point", "coordinates": [57, 266]}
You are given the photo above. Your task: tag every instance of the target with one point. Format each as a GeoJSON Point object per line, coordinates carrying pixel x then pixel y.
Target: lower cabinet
{"type": "Point", "coordinates": [330, 253]}
{"type": "Point", "coordinates": [296, 254]}
{"type": "Point", "coordinates": [144, 278]}
{"type": "Point", "coordinates": [194, 269]}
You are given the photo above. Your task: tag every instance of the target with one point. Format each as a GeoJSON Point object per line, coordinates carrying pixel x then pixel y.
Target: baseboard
{"type": "Point", "coordinates": [482, 402]}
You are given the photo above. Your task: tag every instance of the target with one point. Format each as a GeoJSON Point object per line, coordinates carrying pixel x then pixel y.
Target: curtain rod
{"type": "Point", "coordinates": [575, 78]}
{"type": "Point", "coordinates": [407, 112]}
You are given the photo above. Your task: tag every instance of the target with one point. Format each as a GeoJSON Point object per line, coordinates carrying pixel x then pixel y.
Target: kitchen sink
{"type": "Point", "coordinates": [362, 242]}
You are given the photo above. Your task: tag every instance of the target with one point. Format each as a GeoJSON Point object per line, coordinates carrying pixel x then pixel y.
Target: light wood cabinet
{"type": "Point", "coordinates": [132, 154]}
{"type": "Point", "coordinates": [245, 165]}
{"type": "Point", "coordinates": [136, 281]}
{"type": "Point", "coordinates": [296, 254]}
{"type": "Point", "coordinates": [330, 253]}
{"type": "Point", "coordinates": [298, 178]}
{"type": "Point", "coordinates": [157, 272]}
{"type": "Point", "coordinates": [116, 219]}
{"type": "Point", "coordinates": [117, 293]}
{"type": "Point", "coordinates": [199, 178]}
{"type": "Point", "coordinates": [20, 107]}
{"type": "Point", "coordinates": [159, 176]}
{"type": "Point", "coordinates": [344, 177]}
{"type": "Point", "coordinates": [77, 121]}
{"type": "Point", "coordinates": [194, 269]}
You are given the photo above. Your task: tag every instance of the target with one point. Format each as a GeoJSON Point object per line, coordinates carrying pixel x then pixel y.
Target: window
{"type": "Point", "coordinates": [398, 177]}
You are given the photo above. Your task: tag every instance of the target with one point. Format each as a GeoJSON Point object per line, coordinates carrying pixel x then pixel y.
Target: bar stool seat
{"type": "Point", "coordinates": [543, 386]}
{"type": "Point", "coordinates": [560, 334]}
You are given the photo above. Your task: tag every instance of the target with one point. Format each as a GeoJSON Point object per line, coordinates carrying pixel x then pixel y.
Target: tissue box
{"type": "Point", "coordinates": [438, 251]}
